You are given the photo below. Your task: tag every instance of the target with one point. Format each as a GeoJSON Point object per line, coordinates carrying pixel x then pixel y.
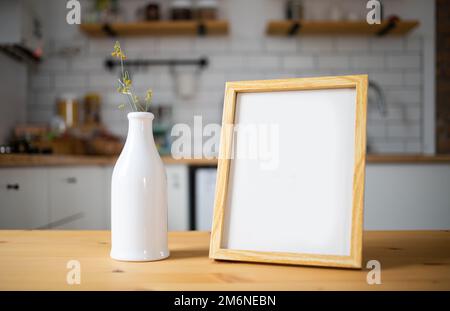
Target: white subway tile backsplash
{"type": "Point", "coordinates": [413, 114]}
{"type": "Point", "coordinates": [40, 115]}
{"type": "Point", "coordinates": [70, 81]}
{"type": "Point", "coordinates": [352, 44]}
{"type": "Point", "coordinates": [103, 81]}
{"type": "Point", "coordinates": [37, 100]}
{"type": "Point", "coordinates": [226, 62]}
{"type": "Point", "coordinates": [101, 47]}
{"type": "Point", "coordinates": [367, 62]}
{"type": "Point", "coordinates": [144, 80]}
{"type": "Point", "coordinates": [333, 62]}
{"type": "Point", "coordinates": [413, 44]}
{"type": "Point", "coordinates": [176, 45]}
{"type": "Point", "coordinates": [404, 130]}
{"type": "Point", "coordinates": [261, 62]}
{"type": "Point", "coordinates": [141, 47]}
{"type": "Point", "coordinates": [404, 96]}
{"type": "Point", "coordinates": [211, 81]}
{"type": "Point", "coordinates": [298, 62]}
{"type": "Point", "coordinates": [413, 79]}
{"type": "Point", "coordinates": [413, 146]}
{"type": "Point", "coordinates": [394, 62]}
{"type": "Point", "coordinates": [387, 79]}
{"type": "Point", "coordinates": [54, 64]}
{"type": "Point", "coordinates": [240, 45]}
{"type": "Point", "coordinates": [282, 74]}
{"type": "Point", "coordinates": [280, 45]}
{"type": "Point", "coordinates": [87, 64]}
{"type": "Point", "coordinates": [242, 75]}
{"type": "Point", "coordinates": [206, 45]}
{"type": "Point", "coordinates": [316, 44]}
{"type": "Point", "coordinates": [376, 129]}
{"type": "Point", "coordinates": [41, 81]}
{"type": "Point", "coordinates": [396, 146]}
{"type": "Point", "coordinates": [387, 44]}
{"type": "Point", "coordinates": [404, 61]}
{"type": "Point", "coordinates": [75, 47]}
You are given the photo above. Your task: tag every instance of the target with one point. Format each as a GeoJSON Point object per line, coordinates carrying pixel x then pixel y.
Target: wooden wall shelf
{"type": "Point", "coordinates": [388, 27]}
{"type": "Point", "coordinates": [159, 28]}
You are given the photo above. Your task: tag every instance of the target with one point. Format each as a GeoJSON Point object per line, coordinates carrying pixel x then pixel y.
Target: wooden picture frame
{"type": "Point", "coordinates": [231, 227]}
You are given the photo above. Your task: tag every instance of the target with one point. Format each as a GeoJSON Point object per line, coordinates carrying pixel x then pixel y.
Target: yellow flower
{"type": "Point", "coordinates": [123, 90]}
{"type": "Point", "coordinates": [149, 95]}
{"type": "Point", "coordinates": [126, 79]}
{"type": "Point", "coordinates": [118, 51]}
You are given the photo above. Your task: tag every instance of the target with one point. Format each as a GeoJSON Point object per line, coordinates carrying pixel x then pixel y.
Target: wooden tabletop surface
{"type": "Point", "coordinates": [37, 160]}
{"type": "Point", "coordinates": [37, 260]}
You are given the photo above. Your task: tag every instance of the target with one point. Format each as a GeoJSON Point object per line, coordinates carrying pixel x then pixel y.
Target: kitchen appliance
{"type": "Point", "coordinates": [21, 34]}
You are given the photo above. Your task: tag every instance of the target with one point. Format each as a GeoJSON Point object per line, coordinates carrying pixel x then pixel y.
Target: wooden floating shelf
{"type": "Point", "coordinates": [362, 28]}
{"type": "Point", "coordinates": [158, 28]}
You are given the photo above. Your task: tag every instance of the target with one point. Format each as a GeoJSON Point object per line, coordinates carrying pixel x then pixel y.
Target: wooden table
{"type": "Point", "coordinates": [36, 260]}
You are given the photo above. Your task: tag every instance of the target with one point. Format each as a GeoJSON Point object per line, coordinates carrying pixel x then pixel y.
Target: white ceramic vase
{"type": "Point", "coordinates": [139, 196]}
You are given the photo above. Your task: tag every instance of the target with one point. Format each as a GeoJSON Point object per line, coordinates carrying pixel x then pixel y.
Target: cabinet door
{"type": "Point", "coordinates": [205, 186]}
{"type": "Point", "coordinates": [107, 178]}
{"type": "Point", "coordinates": [24, 198]}
{"type": "Point", "coordinates": [178, 197]}
{"type": "Point", "coordinates": [77, 198]}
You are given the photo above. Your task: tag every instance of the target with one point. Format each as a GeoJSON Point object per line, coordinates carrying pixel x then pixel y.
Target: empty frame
{"type": "Point", "coordinates": [290, 177]}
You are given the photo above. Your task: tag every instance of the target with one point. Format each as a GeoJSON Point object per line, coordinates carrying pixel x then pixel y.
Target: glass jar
{"type": "Point", "coordinates": [181, 10]}
{"type": "Point", "coordinates": [206, 9]}
{"type": "Point", "coordinates": [67, 108]}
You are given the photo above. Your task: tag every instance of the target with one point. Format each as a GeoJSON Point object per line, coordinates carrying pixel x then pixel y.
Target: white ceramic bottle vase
{"type": "Point", "coordinates": [139, 196]}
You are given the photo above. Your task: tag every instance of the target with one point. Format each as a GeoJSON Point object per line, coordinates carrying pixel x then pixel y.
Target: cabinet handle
{"type": "Point", "coordinates": [71, 180]}
{"type": "Point", "coordinates": [12, 186]}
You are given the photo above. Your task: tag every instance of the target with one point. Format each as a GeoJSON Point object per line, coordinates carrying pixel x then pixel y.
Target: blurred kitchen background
{"type": "Point", "coordinates": [61, 128]}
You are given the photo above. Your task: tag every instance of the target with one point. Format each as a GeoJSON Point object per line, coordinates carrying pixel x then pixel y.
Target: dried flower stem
{"type": "Point", "coordinates": [125, 84]}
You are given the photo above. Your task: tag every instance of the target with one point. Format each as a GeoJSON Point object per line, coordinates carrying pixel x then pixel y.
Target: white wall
{"type": "Point", "coordinates": [404, 66]}
{"type": "Point", "coordinates": [13, 92]}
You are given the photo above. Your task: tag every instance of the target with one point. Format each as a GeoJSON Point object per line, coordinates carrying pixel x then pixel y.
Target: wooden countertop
{"type": "Point", "coordinates": [30, 160]}
{"type": "Point", "coordinates": [36, 260]}
{"type": "Point", "coordinates": [27, 160]}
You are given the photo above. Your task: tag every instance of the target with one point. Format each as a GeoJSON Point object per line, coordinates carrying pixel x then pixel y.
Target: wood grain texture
{"type": "Point", "coordinates": [36, 260]}
{"type": "Point", "coordinates": [34, 160]}
{"type": "Point", "coordinates": [409, 158]}
{"type": "Point", "coordinates": [283, 27]}
{"type": "Point", "coordinates": [158, 28]}
{"type": "Point", "coordinates": [357, 82]}
{"type": "Point", "coordinates": [27, 160]}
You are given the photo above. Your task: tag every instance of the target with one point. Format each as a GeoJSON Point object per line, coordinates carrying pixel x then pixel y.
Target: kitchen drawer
{"type": "Point", "coordinates": [77, 198]}
{"type": "Point", "coordinates": [23, 198]}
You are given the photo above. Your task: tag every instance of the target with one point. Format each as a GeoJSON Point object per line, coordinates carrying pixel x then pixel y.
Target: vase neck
{"type": "Point", "coordinates": [140, 126]}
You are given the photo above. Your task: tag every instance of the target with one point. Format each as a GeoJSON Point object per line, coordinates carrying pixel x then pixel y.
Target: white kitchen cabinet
{"type": "Point", "coordinates": [108, 175]}
{"type": "Point", "coordinates": [178, 197]}
{"type": "Point", "coordinates": [407, 196]}
{"type": "Point", "coordinates": [205, 186]}
{"type": "Point", "coordinates": [24, 198]}
{"type": "Point", "coordinates": [77, 198]}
